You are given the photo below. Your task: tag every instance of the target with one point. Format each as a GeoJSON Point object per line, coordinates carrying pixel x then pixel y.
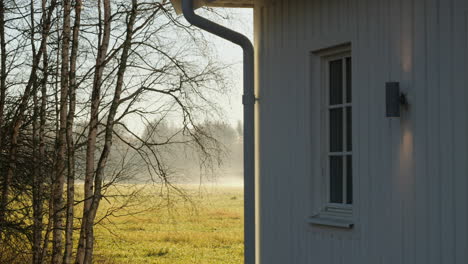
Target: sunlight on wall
{"type": "Point", "coordinates": [407, 54]}
{"type": "Point", "coordinates": [405, 178]}
{"type": "Point", "coordinates": [406, 162]}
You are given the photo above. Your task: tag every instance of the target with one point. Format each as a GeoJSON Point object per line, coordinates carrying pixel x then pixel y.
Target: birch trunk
{"type": "Point", "coordinates": [3, 73]}
{"type": "Point", "coordinates": [42, 154]}
{"type": "Point", "coordinates": [36, 195]}
{"type": "Point", "coordinates": [86, 234]}
{"type": "Point", "coordinates": [62, 139]}
{"type": "Point", "coordinates": [67, 258]}
{"type": "Point", "coordinates": [4, 194]}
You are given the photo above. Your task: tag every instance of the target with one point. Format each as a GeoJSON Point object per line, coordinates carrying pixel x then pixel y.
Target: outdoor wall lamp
{"type": "Point", "coordinates": [394, 99]}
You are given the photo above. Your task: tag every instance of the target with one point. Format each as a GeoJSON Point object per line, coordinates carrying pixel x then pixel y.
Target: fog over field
{"type": "Point", "coordinates": [183, 163]}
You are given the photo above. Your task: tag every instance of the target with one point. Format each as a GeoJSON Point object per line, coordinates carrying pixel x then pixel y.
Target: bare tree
{"type": "Point", "coordinates": [3, 70]}
{"type": "Point", "coordinates": [39, 153]}
{"type": "Point", "coordinates": [60, 169]}
{"type": "Point", "coordinates": [38, 252]}
{"type": "Point", "coordinates": [70, 140]}
{"type": "Point", "coordinates": [109, 132]}
{"type": "Point", "coordinates": [86, 234]}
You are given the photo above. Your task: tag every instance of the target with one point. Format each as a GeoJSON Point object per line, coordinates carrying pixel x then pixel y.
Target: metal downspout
{"type": "Point", "coordinates": [248, 101]}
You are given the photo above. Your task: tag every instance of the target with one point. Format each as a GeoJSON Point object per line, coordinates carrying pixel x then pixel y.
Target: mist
{"type": "Point", "coordinates": [183, 162]}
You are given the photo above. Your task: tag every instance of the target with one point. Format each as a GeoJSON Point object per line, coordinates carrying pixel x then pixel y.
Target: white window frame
{"type": "Point", "coordinates": [341, 210]}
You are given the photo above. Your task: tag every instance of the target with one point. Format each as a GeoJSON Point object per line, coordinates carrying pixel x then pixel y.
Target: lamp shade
{"type": "Point", "coordinates": [392, 99]}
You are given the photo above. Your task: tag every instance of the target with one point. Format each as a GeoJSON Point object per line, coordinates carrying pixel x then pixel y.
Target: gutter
{"type": "Point", "coordinates": [248, 100]}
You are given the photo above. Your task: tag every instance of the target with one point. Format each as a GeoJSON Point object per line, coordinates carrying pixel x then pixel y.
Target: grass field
{"type": "Point", "coordinates": [206, 230]}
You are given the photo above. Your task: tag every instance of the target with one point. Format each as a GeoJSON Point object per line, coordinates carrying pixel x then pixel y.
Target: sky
{"type": "Point", "coordinates": [241, 20]}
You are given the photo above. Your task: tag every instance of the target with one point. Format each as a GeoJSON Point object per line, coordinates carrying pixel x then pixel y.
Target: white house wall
{"type": "Point", "coordinates": [410, 174]}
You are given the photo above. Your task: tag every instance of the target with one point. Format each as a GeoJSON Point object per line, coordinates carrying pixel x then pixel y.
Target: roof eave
{"type": "Point", "coordinates": [214, 3]}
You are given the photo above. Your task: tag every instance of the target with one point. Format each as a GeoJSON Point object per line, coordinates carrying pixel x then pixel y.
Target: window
{"type": "Point", "coordinates": [337, 134]}
{"type": "Point", "coordinates": [332, 138]}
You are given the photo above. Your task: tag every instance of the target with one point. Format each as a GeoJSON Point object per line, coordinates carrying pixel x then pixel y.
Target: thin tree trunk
{"type": "Point", "coordinates": [86, 234]}
{"type": "Point", "coordinates": [42, 171]}
{"type": "Point", "coordinates": [62, 139]}
{"type": "Point", "coordinates": [4, 195]}
{"type": "Point", "coordinates": [36, 199]}
{"type": "Point", "coordinates": [39, 150]}
{"type": "Point", "coordinates": [56, 105]}
{"type": "Point", "coordinates": [3, 72]}
{"type": "Point", "coordinates": [49, 228]}
{"type": "Point", "coordinates": [70, 141]}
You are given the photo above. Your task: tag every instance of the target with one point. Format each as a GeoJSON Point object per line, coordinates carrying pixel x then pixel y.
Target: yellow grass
{"type": "Point", "coordinates": [211, 232]}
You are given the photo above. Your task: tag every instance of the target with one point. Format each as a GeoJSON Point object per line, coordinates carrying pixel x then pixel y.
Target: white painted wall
{"type": "Point", "coordinates": [410, 174]}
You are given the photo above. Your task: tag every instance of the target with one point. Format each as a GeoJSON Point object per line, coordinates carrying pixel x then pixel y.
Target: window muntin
{"type": "Point", "coordinates": [339, 132]}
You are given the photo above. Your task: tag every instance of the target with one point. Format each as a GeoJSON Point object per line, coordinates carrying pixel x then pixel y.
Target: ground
{"type": "Point", "coordinates": [207, 229]}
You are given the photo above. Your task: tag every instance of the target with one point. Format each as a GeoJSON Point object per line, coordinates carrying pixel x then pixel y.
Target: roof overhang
{"type": "Point", "coordinates": [214, 3]}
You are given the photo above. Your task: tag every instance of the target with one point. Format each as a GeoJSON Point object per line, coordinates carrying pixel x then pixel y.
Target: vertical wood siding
{"type": "Point", "coordinates": [411, 173]}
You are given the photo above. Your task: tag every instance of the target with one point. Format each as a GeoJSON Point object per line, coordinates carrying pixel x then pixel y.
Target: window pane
{"type": "Point", "coordinates": [349, 180]}
{"type": "Point", "coordinates": [349, 129]}
{"type": "Point", "coordinates": [336, 130]}
{"type": "Point", "coordinates": [336, 82]}
{"type": "Point", "coordinates": [336, 179]}
{"type": "Point", "coordinates": [348, 80]}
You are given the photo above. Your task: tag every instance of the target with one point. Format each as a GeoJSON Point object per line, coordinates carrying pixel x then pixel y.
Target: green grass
{"type": "Point", "coordinates": [207, 230]}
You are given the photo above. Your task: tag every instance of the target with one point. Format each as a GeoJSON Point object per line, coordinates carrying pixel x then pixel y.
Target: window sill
{"type": "Point", "coordinates": [331, 222]}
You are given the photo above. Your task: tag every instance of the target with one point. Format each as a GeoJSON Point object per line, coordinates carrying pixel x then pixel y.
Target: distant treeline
{"type": "Point", "coordinates": [186, 163]}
